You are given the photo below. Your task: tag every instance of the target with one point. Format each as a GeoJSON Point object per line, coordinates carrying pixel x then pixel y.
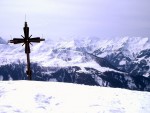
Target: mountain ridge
{"type": "Point", "coordinates": [123, 64]}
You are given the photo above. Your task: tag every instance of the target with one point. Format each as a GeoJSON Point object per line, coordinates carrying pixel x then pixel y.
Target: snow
{"type": "Point", "coordinates": [122, 62]}
{"type": "Point", "coordinates": [146, 75]}
{"type": "Point", "coordinates": [53, 97]}
{"type": "Point", "coordinates": [128, 45]}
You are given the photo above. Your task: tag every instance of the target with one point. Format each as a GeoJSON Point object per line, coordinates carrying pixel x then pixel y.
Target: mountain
{"type": "Point", "coordinates": [122, 62]}
{"type": "Point", "coordinates": [53, 97]}
{"type": "Point", "coordinates": [2, 41]}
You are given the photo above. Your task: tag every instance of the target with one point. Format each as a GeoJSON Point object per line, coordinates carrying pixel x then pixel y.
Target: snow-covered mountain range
{"type": "Point", "coordinates": [121, 62]}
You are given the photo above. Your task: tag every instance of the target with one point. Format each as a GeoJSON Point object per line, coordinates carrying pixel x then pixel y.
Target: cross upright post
{"type": "Point", "coordinates": [26, 40]}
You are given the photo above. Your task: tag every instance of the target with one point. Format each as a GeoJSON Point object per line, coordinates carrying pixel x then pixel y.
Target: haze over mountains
{"type": "Point", "coordinates": [122, 62]}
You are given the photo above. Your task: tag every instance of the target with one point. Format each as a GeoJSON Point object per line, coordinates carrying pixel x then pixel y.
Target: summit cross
{"type": "Point", "coordinates": [26, 40]}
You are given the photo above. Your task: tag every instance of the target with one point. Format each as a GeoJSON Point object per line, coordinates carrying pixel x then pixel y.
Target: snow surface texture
{"type": "Point", "coordinates": [52, 97]}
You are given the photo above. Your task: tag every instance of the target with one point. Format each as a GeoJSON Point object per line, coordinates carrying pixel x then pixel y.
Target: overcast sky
{"type": "Point", "coordinates": [75, 18]}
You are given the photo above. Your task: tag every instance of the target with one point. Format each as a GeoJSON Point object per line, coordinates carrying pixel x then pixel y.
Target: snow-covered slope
{"type": "Point", "coordinates": [52, 97]}
{"type": "Point", "coordinates": [128, 45]}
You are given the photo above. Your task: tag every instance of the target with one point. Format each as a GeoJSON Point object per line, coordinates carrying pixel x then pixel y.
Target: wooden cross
{"type": "Point", "coordinates": [26, 40]}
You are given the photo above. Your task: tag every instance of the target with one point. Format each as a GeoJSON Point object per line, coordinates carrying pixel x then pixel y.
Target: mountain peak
{"type": "Point", "coordinates": [2, 41]}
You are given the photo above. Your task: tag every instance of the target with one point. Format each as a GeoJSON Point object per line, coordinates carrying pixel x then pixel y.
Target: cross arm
{"type": "Point", "coordinates": [36, 39]}
{"type": "Point", "coordinates": [16, 41]}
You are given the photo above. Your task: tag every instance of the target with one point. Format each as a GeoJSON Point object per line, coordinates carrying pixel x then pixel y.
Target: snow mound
{"type": "Point", "coordinates": [52, 97]}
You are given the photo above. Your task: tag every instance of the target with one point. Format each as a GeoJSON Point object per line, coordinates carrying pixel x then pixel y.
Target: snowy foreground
{"type": "Point", "coordinates": [53, 97]}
